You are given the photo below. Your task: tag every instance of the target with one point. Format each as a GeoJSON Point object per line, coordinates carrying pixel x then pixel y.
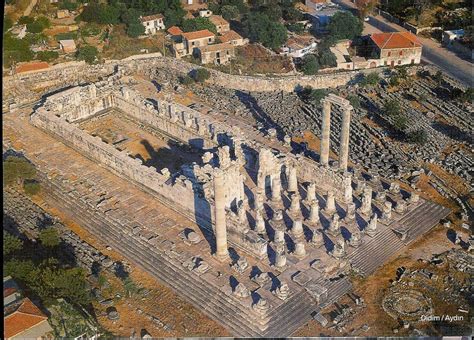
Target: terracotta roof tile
{"type": "Point", "coordinates": [26, 316]}
{"type": "Point", "coordinates": [395, 40]}
{"type": "Point", "coordinates": [9, 291]}
{"type": "Point", "coordinates": [216, 47]}
{"type": "Point", "coordinates": [218, 20]}
{"type": "Point", "coordinates": [198, 35]}
{"type": "Point", "coordinates": [174, 30]}
{"type": "Point", "coordinates": [229, 36]}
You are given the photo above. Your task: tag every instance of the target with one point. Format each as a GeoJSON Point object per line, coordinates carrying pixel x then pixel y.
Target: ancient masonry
{"type": "Point", "coordinates": [280, 231]}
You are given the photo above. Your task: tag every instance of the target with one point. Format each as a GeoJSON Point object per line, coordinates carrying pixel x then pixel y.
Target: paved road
{"type": "Point", "coordinates": [433, 53]}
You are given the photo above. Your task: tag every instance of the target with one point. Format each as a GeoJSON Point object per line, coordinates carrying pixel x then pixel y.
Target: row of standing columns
{"type": "Point", "coordinates": [326, 134]}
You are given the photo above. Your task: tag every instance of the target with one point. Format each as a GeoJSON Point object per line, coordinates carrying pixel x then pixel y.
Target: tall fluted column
{"type": "Point", "coordinates": [344, 148]}
{"type": "Point", "coordinates": [325, 133]}
{"type": "Point", "coordinates": [222, 252]}
{"type": "Point", "coordinates": [276, 188]}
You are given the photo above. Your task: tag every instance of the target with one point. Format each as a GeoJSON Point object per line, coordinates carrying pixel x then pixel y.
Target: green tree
{"type": "Point", "coordinates": [24, 20]}
{"type": "Point", "coordinates": [186, 80]}
{"type": "Point", "coordinates": [310, 64]}
{"type": "Point", "coordinates": [259, 28]}
{"type": "Point", "coordinates": [17, 169]}
{"type": "Point", "coordinates": [200, 75]}
{"type": "Point", "coordinates": [344, 25]}
{"type": "Point", "coordinates": [392, 108]}
{"type": "Point", "coordinates": [47, 55]}
{"type": "Point", "coordinates": [327, 58]}
{"type": "Point", "coordinates": [135, 29]}
{"type": "Point", "coordinates": [400, 122]}
{"type": "Point", "coordinates": [40, 24]}
{"type": "Point", "coordinates": [23, 270]}
{"type": "Point", "coordinates": [370, 79]}
{"type": "Point", "coordinates": [31, 187]}
{"type": "Point", "coordinates": [229, 12]}
{"type": "Point", "coordinates": [354, 100]}
{"type": "Point", "coordinates": [200, 23]}
{"type": "Point", "coordinates": [316, 95]}
{"type": "Point", "coordinates": [87, 53]}
{"type": "Point", "coordinates": [7, 24]}
{"type": "Point", "coordinates": [295, 27]}
{"type": "Point", "coordinates": [273, 12]}
{"type": "Point", "coordinates": [49, 237]}
{"type": "Point", "coordinates": [11, 243]}
{"type": "Point", "coordinates": [101, 14]}
{"type": "Point", "coordinates": [292, 14]}
{"type": "Point", "coordinates": [69, 5]}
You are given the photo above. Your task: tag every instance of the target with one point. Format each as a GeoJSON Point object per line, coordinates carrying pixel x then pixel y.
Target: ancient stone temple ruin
{"type": "Point", "coordinates": [272, 235]}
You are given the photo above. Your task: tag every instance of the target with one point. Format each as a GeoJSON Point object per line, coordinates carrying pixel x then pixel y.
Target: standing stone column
{"type": "Point", "coordinates": [311, 193]}
{"type": "Point", "coordinates": [276, 188]}
{"type": "Point", "coordinates": [292, 180]}
{"type": "Point", "coordinates": [366, 207]}
{"type": "Point", "coordinates": [330, 203]}
{"type": "Point", "coordinates": [222, 252]}
{"type": "Point", "coordinates": [325, 133]}
{"type": "Point", "coordinates": [344, 148]}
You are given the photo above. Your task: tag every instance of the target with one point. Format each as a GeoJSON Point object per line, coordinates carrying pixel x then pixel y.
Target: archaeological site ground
{"type": "Point", "coordinates": [244, 206]}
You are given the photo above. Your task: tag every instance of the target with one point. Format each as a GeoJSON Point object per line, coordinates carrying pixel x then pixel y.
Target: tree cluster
{"type": "Point", "coordinates": [196, 24]}
{"type": "Point", "coordinates": [260, 28]}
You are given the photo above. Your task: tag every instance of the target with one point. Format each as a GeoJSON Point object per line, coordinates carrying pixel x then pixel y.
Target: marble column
{"type": "Point", "coordinates": [344, 144]}
{"type": "Point", "coordinates": [222, 252]}
{"type": "Point", "coordinates": [366, 207]}
{"type": "Point", "coordinates": [292, 180]}
{"type": "Point", "coordinates": [259, 222]}
{"type": "Point", "coordinates": [330, 203]}
{"type": "Point", "coordinates": [297, 228]}
{"type": "Point", "coordinates": [314, 213]}
{"type": "Point", "coordinates": [259, 198]}
{"type": "Point", "coordinates": [325, 133]}
{"type": "Point", "coordinates": [348, 189]}
{"type": "Point", "coordinates": [311, 193]}
{"type": "Point", "coordinates": [276, 188]}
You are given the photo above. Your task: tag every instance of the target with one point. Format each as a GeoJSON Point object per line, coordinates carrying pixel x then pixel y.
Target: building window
{"type": "Point", "coordinates": [210, 39]}
{"type": "Point", "coordinates": [348, 66]}
{"type": "Point", "coordinates": [412, 61]}
{"type": "Point", "coordinates": [192, 43]}
{"type": "Point", "coordinates": [399, 62]}
{"type": "Point", "coordinates": [385, 63]}
{"type": "Point", "coordinates": [401, 53]}
{"type": "Point", "coordinates": [389, 54]}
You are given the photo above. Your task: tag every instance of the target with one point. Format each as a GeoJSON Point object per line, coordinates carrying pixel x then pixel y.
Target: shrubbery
{"type": "Point", "coordinates": [201, 75]}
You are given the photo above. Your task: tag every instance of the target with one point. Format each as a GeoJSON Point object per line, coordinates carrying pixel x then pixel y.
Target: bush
{"type": "Point", "coordinates": [201, 75]}
{"type": "Point", "coordinates": [87, 53]}
{"type": "Point", "coordinates": [229, 12]}
{"type": "Point", "coordinates": [17, 169]}
{"type": "Point", "coordinates": [354, 100]}
{"type": "Point", "coordinates": [316, 95]}
{"type": "Point", "coordinates": [24, 20]}
{"type": "Point", "coordinates": [310, 64]}
{"type": "Point", "coordinates": [69, 5]}
{"type": "Point", "coordinates": [31, 187]}
{"type": "Point", "coordinates": [135, 29]}
{"type": "Point", "coordinates": [49, 237]}
{"type": "Point", "coordinates": [11, 243]}
{"type": "Point", "coordinates": [327, 58]}
{"type": "Point", "coordinates": [344, 25]}
{"type": "Point", "coordinates": [295, 27]}
{"type": "Point", "coordinates": [187, 80]}
{"type": "Point", "coordinates": [259, 28]}
{"type": "Point", "coordinates": [47, 55]}
{"type": "Point", "coordinates": [418, 137]}
{"type": "Point", "coordinates": [392, 108]}
{"type": "Point", "coordinates": [371, 79]}
{"type": "Point", "coordinates": [196, 24]}
{"type": "Point", "coordinates": [40, 24]}
{"type": "Point", "coordinates": [400, 122]}
{"type": "Point", "coordinates": [15, 50]}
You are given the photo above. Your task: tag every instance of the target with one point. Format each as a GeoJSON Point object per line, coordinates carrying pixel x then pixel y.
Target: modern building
{"type": "Point", "coordinates": [67, 46]}
{"type": "Point", "coordinates": [315, 4]}
{"type": "Point", "coordinates": [450, 36]}
{"type": "Point", "coordinates": [321, 18]}
{"type": "Point", "coordinates": [396, 48]}
{"type": "Point", "coordinates": [153, 23]}
{"type": "Point", "coordinates": [234, 38]}
{"type": "Point", "coordinates": [218, 54]}
{"type": "Point", "coordinates": [298, 46]}
{"type": "Point", "coordinates": [221, 24]}
{"type": "Point", "coordinates": [22, 318]}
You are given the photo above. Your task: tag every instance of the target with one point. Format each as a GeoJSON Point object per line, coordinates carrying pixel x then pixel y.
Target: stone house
{"type": "Point", "coordinates": [67, 46]}
{"type": "Point", "coordinates": [221, 24]}
{"type": "Point", "coordinates": [205, 13]}
{"type": "Point", "coordinates": [218, 54]}
{"type": "Point", "coordinates": [234, 38]}
{"type": "Point", "coordinates": [396, 48]}
{"type": "Point", "coordinates": [190, 41]}
{"type": "Point", "coordinates": [153, 23]}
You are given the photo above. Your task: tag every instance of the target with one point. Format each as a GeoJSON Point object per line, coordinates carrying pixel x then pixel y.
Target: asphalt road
{"type": "Point", "coordinates": [432, 52]}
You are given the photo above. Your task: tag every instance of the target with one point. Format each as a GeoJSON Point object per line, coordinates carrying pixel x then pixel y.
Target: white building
{"type": "Point", "coordinates": [299, 46]}
{"type": "Point", "coordinates": [153, 23]}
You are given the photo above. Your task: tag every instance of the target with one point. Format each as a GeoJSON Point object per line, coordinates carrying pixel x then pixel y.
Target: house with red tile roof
{"type": "Point", "coordinates": [22, 318]}
{"type": "Point", "coordinates": [396, 48]}
{"type": "Point", "coordinates": [191, 41]}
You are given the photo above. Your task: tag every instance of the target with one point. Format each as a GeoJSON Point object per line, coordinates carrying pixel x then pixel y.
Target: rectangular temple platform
{"type": "Point", "coordinates": [240, 234]}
